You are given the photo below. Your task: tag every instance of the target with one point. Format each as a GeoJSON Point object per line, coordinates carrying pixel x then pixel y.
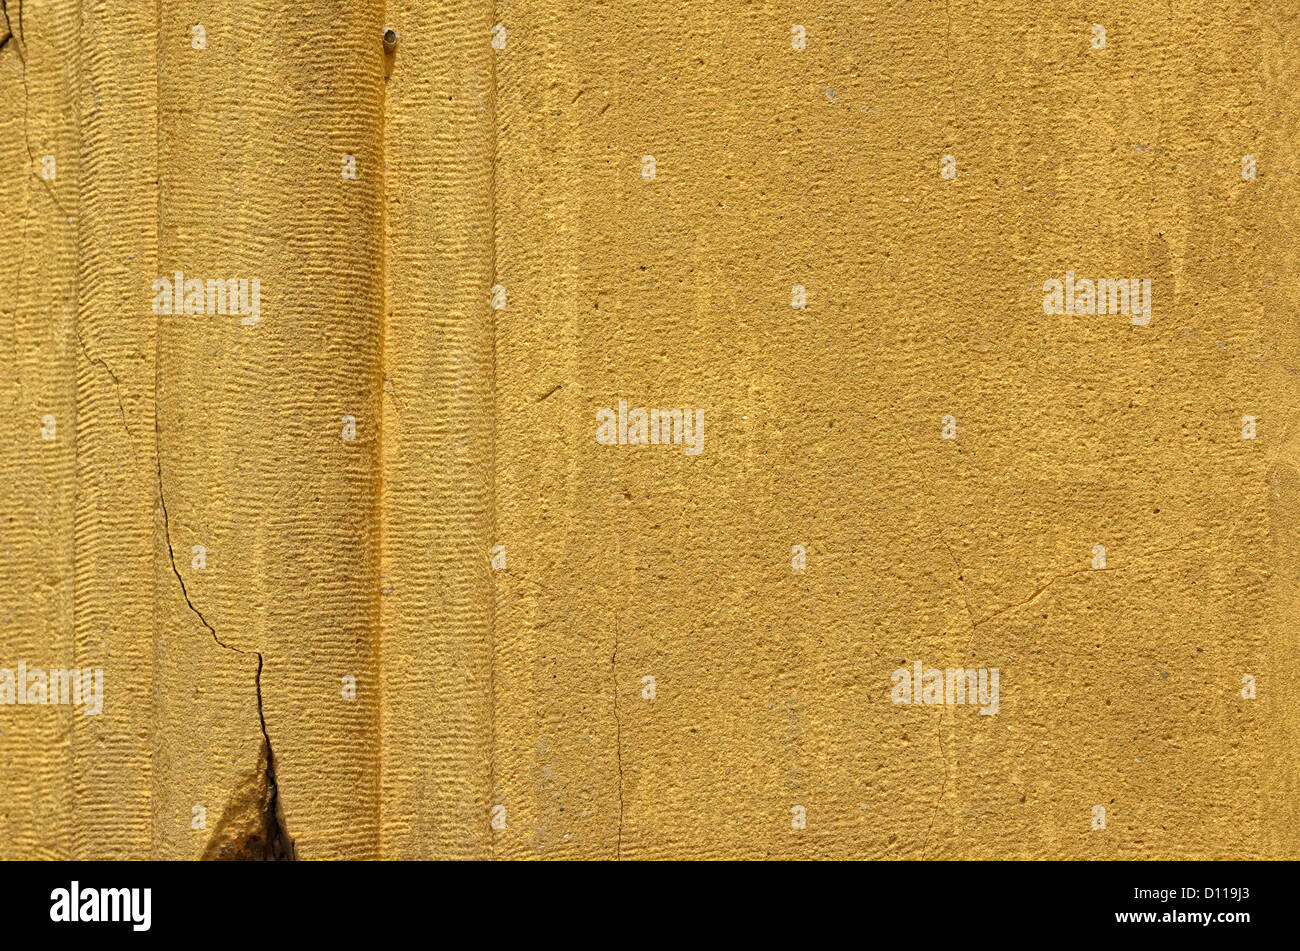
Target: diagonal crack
{"type": "Point", "coordinates": [277, 845]}
{"type": "Point", "coordinates": [20, 43]}
{"type": "Point", "coordinates": [1033, 597]}
{"type": "Point", "coordinates": [117, 385]}
{"type": "Point", "coordinates": [1139, 562]}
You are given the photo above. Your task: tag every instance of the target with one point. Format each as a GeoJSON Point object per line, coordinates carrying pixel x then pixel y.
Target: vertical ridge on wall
{"type": "Point", "coordinates": [437, 456]}
{"type": "Point", "coordinates": [1279, 687]}
{"type": "Point", "coordinates": [116, 485]}
{"type": "Point", "coordinates": [267, 577]}
{"type": "Point", "coordinates": [38, 388]}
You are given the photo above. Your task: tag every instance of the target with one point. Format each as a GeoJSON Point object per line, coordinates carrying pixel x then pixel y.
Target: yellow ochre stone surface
{"type": "Point", "coordinates": [572, 430]}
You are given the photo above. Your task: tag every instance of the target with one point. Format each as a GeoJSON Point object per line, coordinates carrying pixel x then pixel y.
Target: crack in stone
{"type": "Point", "coordinates": [117, 386]}
{"type": "Point", "coordinates": [18, 271]}
{"type": "Point", "coordinates": [1033, 597]}
{"type": "Point", "coordinates": [943, 786]}
{"type": "Point", "coordinates": [20, 43]}
{"type": "Point", "coordinates": [275, 843]}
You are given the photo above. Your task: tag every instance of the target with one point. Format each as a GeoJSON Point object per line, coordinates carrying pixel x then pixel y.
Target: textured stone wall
{"type": "Point", "coordinates": [367, 549]}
